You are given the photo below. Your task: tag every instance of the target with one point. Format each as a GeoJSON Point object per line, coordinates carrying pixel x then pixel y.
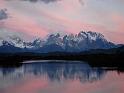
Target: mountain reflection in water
{"type": "Point", "coordinates": [56, 71]}
{"type": "Point", "coordinates": [54, 75]}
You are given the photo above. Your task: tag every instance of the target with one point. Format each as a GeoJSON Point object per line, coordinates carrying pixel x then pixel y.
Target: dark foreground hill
{"type": "Point", "coordinates": [102, 57]}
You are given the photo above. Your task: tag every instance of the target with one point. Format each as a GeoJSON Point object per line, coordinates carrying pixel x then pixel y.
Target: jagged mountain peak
{"type": "Point", "coordinates": [37, 42]}
{"type": "Point", "coordinates": [53, 36]}
{"type": "Point", "coordinates": [19, 42]}
{"type": "Point", "coordinates": [16, 38]}
{"type": "Point", "coordinates": [82, 34]}
{"type": "Point", "coordinates": [54, 39]}
{"type": "Point", "coordinates": [71, 42]}
{"type": "Point", "coordinates": [81, 41]}
{"type": "Point", "coordinates": [91, 35]}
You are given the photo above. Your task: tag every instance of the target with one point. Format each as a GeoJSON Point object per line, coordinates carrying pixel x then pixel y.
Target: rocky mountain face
{"type": "Point", "coordinates": [55, 42]}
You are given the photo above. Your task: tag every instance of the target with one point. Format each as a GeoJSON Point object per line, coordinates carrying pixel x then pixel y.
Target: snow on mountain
{"type": "Point", "coordinates": [37, 43]}
{"type": "Point", "coordinates": [20, 43]}
{"type": "Point", "coordinates": [13, 40]}
{"type": "Point", "coordinates": [16, 41]}
{"type": "Point", "coordinates": [92, 36]}
{"type": "Point", "coordinates": [70, 43]}
{"type": "Point", "coordinates": [1, 41]}
{"type": "Point", "coordinates": [54, 39]}
{"type": "Point", "coordinates": [80, 42]}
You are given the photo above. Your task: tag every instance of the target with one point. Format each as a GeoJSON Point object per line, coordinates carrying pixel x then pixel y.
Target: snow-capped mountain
{"type": "Point", "coordinates": [13, 41]}
{"type": "Point", "coordinates": [80, 41]}
{"type": "Point", "coordinates": [20, 43]}
{"type": "Point", "coordinates": [55, 42]}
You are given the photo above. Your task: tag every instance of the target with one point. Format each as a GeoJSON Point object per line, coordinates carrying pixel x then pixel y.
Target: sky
{"type": "Point", "coordinates": [31, 19]}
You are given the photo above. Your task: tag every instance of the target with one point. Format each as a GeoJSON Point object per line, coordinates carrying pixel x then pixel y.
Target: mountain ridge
{"type": "Point", "coordinates": [55, 42]}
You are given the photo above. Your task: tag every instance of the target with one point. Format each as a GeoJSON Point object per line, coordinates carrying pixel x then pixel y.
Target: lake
{"type": "Point", "coordinates": [60, 77]}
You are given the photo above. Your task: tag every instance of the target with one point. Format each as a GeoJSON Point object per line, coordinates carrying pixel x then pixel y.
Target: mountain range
{"type": "Point", "coordinates": [82, 41]}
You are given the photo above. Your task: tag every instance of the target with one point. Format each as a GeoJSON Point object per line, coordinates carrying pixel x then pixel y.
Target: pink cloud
{"type": "Point", "coordinates": [118, 32]}
{"type": "Point", "coordinates": [26, 25]}
{"type": "Point", "coordinates": [119, 21]}
{"type": "Point", "coordinates": [71, 25]}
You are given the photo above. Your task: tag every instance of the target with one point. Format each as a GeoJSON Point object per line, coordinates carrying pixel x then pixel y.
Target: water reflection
{"type": "Point", "coordinates": [64, 77]}
{"type": "Point", "coordinates": [55, 71]}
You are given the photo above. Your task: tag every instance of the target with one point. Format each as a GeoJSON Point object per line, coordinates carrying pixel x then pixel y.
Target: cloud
{"type": "Point", "coordinates": [3, 14]}
{"type": "Point", "coordinates": [81, 2]}
{"type": "Point", "coordinates": [45, 1]}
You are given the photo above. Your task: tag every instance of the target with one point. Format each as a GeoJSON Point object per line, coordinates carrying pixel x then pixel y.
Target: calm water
{"type": "Point", "coordinates": [54, 77]}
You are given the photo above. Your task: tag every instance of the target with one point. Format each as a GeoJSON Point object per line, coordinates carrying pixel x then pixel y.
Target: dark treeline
{"type": "Point", "coordinates": [99, 59]}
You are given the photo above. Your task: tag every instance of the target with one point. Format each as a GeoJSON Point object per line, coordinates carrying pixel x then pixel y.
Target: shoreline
{"type": "Point", "coordinates": [103, 60]}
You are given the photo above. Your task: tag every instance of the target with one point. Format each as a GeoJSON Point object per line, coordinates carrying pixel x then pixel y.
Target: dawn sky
{"type": "Point", "coordinates": [38, 18]}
